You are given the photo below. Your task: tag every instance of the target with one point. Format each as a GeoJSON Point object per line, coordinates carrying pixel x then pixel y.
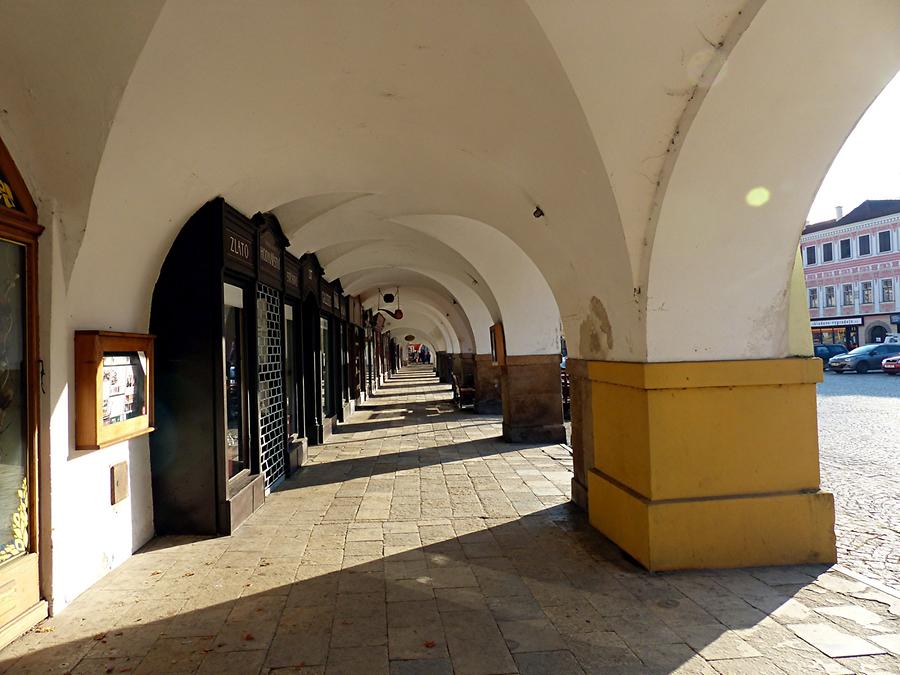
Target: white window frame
{"type": "Point", "coordinates": [831, 244]}
{"type": "Point", "coordinates": [887, 284]}
{"type": "Point", "coordinates": [833, 297]}
{"type": "Point", "coordinates": [815, 253]}
{"type": "Point", "coordinates": [844, 295]}
{"type": "Point", "coordinates": [859, 250]}
{"type": "Point", "coordinates": [862, 292]}
{"type": "Point", "coordinates": [840, 248]}
{"type": "Point", "coordinates": [890, 241]}
{"type": "Point", "coordinates": [813, 298]}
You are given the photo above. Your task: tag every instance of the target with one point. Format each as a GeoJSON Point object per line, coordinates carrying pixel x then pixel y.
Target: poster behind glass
{"type": "Point", "coordinates": [13, 404]}
{"type": "Point", "coordinates": [124, 386]}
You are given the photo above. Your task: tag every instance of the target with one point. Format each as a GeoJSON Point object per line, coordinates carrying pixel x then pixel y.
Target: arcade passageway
{"type": "Point", "coordinates": [415, 541]}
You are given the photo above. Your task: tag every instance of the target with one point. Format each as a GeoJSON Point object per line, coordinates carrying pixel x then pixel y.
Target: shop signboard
{"type": "Point", "coordinates": [895, 318]}
{"type": "Point", "coordinates": [239, 249]}
{"type": "Point", "coordinates": [830, 323]}
{"type": "Point", "coordinates": [291, 275]}
{"type": "Point", "coordinates": [270, 259]}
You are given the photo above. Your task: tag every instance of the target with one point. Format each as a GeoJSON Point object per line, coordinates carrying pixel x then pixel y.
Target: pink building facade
{"type": "Point", "coordinates": [852, 269]}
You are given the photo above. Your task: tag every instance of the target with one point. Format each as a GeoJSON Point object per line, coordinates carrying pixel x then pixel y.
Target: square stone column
{"type": "Point", "coordinates": [443, 364]}
{"type": "Point", "coordinates": [457, 367]}
{"type": "Point", "coordinates": [710, 464]}
{"type": "Point", "coordinates": [581, 408]}
{"type": "Point", "coordinates": [488, 400]}
{"type": "Point", "coordinates": [532, 399]}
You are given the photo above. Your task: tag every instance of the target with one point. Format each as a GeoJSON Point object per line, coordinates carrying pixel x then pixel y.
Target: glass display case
{"type": "Point", "coordinates": [113, 387]}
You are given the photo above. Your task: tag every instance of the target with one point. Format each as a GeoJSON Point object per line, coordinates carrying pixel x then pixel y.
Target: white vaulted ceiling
{"type": "Point", "coordinates": [409, 143]}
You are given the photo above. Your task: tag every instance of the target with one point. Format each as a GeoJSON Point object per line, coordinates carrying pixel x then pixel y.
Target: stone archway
{"type": "Point", "coordinates": [876, 332]}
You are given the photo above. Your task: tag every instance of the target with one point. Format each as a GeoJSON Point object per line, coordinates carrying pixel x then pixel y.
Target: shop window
{"type": "Point", "coordinates": [14, 431]}
{"type": "Point", "coordinates": [810, 255]}
{"type": "Point", "coordinates": [887, 290]}
{"type": "Point", "coordinates": [845, 248]}
{"type": "Point", "coordinates": [847, 293]}
{"type": "Point", "coordinates": [829, 296]}
{"type": "Point", "coordinates": [868, 296]}
{"type": "Point", "coordinates": [827, 252]}
{"type": "Point", "coordinates": [864, 244]}
{"type": "Point", "coordinates": [884, 241]}
{"type": "Point", "coordinates": [325, 348]}
{"type": "Point", "coordinates": [291, 376]}
{"type": "Point", "coordinates": [814, 298]}
{"type": "Point", "coordinates": [236, 392]}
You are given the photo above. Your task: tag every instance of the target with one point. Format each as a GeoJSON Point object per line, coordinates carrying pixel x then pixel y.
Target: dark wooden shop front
{"type": "Point", "coordinates": [230, 393]}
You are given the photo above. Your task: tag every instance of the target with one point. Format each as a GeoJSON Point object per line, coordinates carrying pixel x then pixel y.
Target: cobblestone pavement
{"type": "Point", "coordinates": [416, 542]}
{"type": "Point", "coordinates": [859, 445]}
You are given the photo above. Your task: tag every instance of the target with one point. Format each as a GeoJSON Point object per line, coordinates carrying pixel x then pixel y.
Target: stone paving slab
{"type": "Point", "coordinates": [859, 424]}
{"type": "Point", "coordinates": [415, 541]}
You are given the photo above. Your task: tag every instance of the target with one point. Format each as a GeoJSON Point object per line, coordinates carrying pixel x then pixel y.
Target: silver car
{"type": "Point", "coordinates": [863, 359]}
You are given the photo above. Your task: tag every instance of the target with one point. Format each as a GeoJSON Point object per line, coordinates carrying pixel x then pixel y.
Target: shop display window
{"type": "Point", "coordinates": [236, 393]}
{"type": "Point", "coordinates": [325, 347]}
{"type": "Point", "coordinates": [291, 375]}
{"type": "Point", "coordinates": [14, 451]}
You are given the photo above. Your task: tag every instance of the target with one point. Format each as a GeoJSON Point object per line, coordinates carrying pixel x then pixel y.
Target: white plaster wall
{"type": "Point", "coordinates": [84, 536]}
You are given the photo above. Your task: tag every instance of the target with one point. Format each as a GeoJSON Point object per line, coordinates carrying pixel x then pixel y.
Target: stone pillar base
{"type": "Point", "coordinates": [738, 531]}
{"type": "Point", "coordinates": [532, 399]}
{"type": "Point", "coordinates": [709, 464]}
{"type": "Point", "coordinates": [488, 400]}
{"type": "Point", "coordinates": [579, 494]}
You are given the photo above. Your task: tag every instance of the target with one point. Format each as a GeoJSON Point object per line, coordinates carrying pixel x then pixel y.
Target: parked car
{"type": "Point", "coordinates": [891, 365]}
{"type": "Point", "coordinates": [863, 359]}
{"type": "Point", "coordinates": [825, 352]}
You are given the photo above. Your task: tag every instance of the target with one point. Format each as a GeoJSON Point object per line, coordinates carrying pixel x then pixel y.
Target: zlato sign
{"type": "Point", "coordinates": [239, 247]}
{"type": "Point", "coordinates": [830, 323]}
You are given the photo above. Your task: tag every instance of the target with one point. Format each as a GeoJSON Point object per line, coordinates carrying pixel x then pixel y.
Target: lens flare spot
{"type": "Point", "coordinates": [758, 196]}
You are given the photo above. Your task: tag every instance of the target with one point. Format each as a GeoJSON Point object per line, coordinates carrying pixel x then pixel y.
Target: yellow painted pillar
{"type": "Point", "coordinates": [709, 464]}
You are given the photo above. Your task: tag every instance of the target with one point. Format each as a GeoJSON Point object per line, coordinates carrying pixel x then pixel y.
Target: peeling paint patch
{"type": "Point", "coordinates": [596, 331]}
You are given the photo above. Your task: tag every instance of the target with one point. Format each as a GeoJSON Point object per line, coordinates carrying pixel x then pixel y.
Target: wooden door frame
{"type": "Point", "coordinates": [21, 227]}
